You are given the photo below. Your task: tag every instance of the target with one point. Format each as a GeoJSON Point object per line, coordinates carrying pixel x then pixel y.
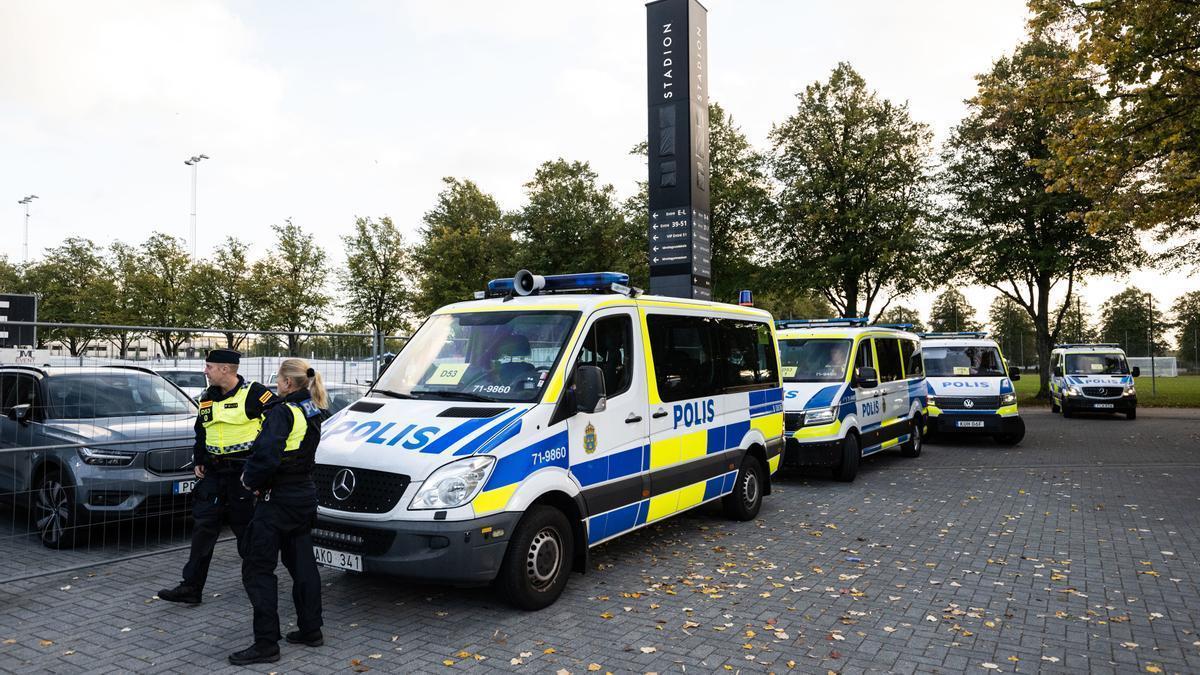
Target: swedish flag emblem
{"type": "Point", "coordinates": [589, 439]}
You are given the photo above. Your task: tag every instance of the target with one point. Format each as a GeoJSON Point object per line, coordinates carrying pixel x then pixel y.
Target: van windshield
{"type": "Point", "coordinates": [972, 361]}
{"type": "Point", "coordinates": [1097, 364]}
{"type": "Point", "coordinates": [480, 356]}
{"type": "Point", "coordinates": [814, 360]}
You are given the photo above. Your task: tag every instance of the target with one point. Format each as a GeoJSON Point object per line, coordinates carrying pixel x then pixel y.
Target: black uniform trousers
{"type": "Point", "coordinates": [219, 493]}
{"type": "Point", "coordinates": [282, 528]}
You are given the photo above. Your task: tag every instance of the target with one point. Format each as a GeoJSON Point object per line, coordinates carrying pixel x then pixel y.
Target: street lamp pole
{"type": "Point", "coordinates": [192, 162]}
{"type": "Point", "coordinates": [26, 201]}
{"type": "Point", "coordinates": [1150, 343]}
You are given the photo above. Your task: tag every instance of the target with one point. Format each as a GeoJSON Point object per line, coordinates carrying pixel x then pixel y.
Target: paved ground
{"type": "Point", "coordinates": [1075, 551]}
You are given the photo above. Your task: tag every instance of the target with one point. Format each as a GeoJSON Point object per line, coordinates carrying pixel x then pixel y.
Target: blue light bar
{"type": "Point", "coordinates": [558, 283]}
{"type": "Point", "coordinates": [897, 326]}
{"type": "Point", "coordinates": [1073, 345]}
{"type": "Point", "coordinates": [810, 323]}
{"type": "Point", "coordinates": [950, 335]}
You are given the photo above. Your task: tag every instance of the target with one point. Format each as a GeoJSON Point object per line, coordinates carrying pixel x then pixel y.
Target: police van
{"type": "Point", "coordinates": [1093, 378]}
{"type": "Point", "coordinates": [850, 391]}
{"type": "Point", "coordinates": [551, 414]}
{"type": "Point", "coordinates": [970, 386]}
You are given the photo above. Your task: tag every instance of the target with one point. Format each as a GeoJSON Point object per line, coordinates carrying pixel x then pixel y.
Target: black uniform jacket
{"type": "Point", "coordinates": [258, 397]}
{"type": "Point", "coordinates": [266, 466]}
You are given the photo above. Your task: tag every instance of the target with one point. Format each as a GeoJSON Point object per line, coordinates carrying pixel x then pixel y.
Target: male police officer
{"type": "Point", "coordinates": [230, 418]}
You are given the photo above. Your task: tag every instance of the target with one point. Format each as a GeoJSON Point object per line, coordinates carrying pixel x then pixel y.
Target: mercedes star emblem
{"type": "Point", "coordinates": [968, 403]}
{"type": "Point", "coordinates": [343, 485]}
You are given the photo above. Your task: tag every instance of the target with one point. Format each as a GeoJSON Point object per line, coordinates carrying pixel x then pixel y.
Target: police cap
{"type": "Point", "coordinates": [224, 356]}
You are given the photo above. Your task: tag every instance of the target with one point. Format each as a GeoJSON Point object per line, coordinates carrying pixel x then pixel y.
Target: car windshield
{"type": "Point", "coordinates": [79, 396]}
{"type": "Point", "coordinates": [972, 361]}
{"type": "Point", "coordinates": [480, 356]}
{"type": "Point", "coordinates": [186, 378]}
{"type": "Point", "coordinates": [814, 360]}
{"type": "Point", "coordinates": [1097, 364]}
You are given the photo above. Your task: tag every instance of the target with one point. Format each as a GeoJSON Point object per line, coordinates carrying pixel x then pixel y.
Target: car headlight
{"type": "Point", "coordinates": [820, 416]}
{"type": "Point", "coordinates": [105, 457]}
{"type": "Point", "coordinates": [454, 484]}
{"type": "Point", "coordinates": [1130, 390]}
{"type": "Point", "coordinates": [1008, 399]}
{"type": "Point", "coordinates": [1071, 391]}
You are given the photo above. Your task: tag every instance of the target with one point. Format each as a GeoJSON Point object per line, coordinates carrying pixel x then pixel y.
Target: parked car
{"type": "Point", "coordinates": [192, 382]}
{"type": "Point", "coordinates": [340, 395]}
{"type": "Point", "coordinates": [105, 443]}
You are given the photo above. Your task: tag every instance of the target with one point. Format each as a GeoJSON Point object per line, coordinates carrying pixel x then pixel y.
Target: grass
{"type": "Point", "coordinates": [1173, 392]}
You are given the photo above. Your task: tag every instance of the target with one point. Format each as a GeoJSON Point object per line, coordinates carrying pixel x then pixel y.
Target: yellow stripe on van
{"type": "Point", "coordinates": [773, 463]}
{"type": "Point", "coordinates": [648, 359]}
{"type": "Point", "coordinates": [894, 420]}
{"type": "Point", "coordinates": [888, 444]}
{"type": "Point", "coordinates": [664, 452]}
{"type": "Point", "coordinates": [504, 308]}
{"type": "Point", "coordinates": [704, 305]}
{"type": "Point", "coordinates": [770, 425]}
{"type": "Point", "coordinates": [690, 496]}
{"type": "Point", "coordinates": [555, 386]}
{"type": "Point", "coordinates": [831, 430]}
{"type": "Point", "coordinates": [663, 506]}
{"type": "Point", "coordinates": [1007, 411]}
{"type": "Point", "coordinates": [693, 445]}
{"type": "Point", "coordinates": [493, 500]}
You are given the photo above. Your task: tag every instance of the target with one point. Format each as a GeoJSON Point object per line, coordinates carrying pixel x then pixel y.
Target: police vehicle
{"type": "Point", "coordinates": [551, 414]}
{"type": "Point", "coordinates": [970, 386]}
{"type": "Point", "coordinates": [1092, 378]}
{"type": "Point", "coordinates": [850, 390]}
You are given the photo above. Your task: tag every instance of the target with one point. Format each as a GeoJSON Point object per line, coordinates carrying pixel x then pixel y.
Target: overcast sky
{"type": "Point", "coordinates": [326, 111]}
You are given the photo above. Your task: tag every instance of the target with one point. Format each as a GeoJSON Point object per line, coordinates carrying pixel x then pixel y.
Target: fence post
{"type": "Point", "coordinates": [375, 351]}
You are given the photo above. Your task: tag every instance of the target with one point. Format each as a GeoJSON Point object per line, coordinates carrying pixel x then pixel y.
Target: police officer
{"type": "Point", "coordinates": [230, 418]}
{"type": "Point", "coordinates": [279, 472]}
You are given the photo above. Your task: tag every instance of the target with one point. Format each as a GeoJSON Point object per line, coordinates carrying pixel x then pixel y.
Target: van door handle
{"type": "Point", "coordinates": [659, 413]}
{"type": "Point", "coordinates": [633, 418]}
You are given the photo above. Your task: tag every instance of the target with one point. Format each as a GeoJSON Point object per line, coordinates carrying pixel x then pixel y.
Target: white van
{"type": "Point", "coordinates": [514, 432]}
{"type": "Point", "coordinates": [971, 386]}
{"type": "Point", "coordinates": [1093, 378]}
{"type": "Point", "coordinates": [850, 391]}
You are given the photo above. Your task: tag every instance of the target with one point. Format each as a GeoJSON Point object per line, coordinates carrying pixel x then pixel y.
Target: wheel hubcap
{"type": "Point", "coordinates": [917, 438]}
{"type": "Point", "coordinates": [544, 559]}
{"type": "Point", "coordinates": [750, 489]}
{"type": "Point", "coordinates": [53, 510]}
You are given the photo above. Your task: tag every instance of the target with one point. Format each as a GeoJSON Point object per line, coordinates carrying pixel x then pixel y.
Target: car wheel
{"type": "Point", "coordinates": [847, 469]}
{"type": "Point", "coordinates": [746, 499]}
{"type": "Point", "coordinates": [53, 511]}
{"type": "Point", "coordinates": [1012, 437]}
{"type": "Point", "coordinates": [912, 447]}
{"type": "Point", "coordinates": [1131, 415]}
{"type": "Point", "coordinates": [538, 560]}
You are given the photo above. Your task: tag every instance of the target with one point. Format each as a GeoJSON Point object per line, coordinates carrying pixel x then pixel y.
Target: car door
{"type": "Point", "coordinates": [17, 388]}
{"type": "Point", "coordinates": [868, 400]}
{"type": "Point", "coordinates": [894, 388]}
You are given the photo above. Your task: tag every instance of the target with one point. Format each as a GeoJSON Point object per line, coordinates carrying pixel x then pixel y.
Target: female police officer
{"type": "Point", "coordinates": [279, 472]}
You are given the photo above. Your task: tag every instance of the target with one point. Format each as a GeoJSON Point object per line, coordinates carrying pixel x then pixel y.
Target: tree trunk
{"type": "Point", "coordinates": [1041, 325]}
{"type": "Point", "coordinates": [850, 290]}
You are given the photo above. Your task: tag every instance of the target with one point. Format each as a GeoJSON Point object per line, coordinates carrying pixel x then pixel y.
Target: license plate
{"type": "Point", "coordinates": [970, 424]}
{"type": "Point", "coordinates": [338, 559]}
{"type": "Point", "coordinates": [1103, 405]}
{"type": "Point", "coordinates": [183, 487]}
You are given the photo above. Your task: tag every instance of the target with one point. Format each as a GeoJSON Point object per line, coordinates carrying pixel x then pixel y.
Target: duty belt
{"type": "Point", "coordinates": [218, 450]}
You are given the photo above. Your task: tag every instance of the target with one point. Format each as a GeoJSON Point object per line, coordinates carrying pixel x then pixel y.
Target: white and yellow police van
{"type": "Point", "coordinates": [970, 386]}
{"type": "Point", "coordinates": [1092, 378]}
{"type": "Point", "coordinates": [850, 391]}
{"type": "Point", "coordinates": [514, 432]}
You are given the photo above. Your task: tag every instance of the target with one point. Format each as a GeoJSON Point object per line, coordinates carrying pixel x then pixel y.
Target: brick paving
{"type": "Point", "coordinates": [1075, 551]}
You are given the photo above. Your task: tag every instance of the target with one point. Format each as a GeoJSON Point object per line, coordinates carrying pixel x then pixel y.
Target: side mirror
{"type": "Point", "coordinates": [20, 413]}
{"type": "Point", "coordinates": [1058, 371]}
{"type": "Point", "coordinates": [1137, 372]}
{"type": "Point", "coordinates": [866, 377]}
{"type": "Point", "coordinates": [1014, 374]}
{"type": "Point", "coordinates": [589, 389]}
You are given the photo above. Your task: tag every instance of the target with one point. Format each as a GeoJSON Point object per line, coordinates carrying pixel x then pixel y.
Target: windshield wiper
{"type": "Point", "coordinates": [393, 394]}
{"type": "Point", "coordinates": [467, 396]}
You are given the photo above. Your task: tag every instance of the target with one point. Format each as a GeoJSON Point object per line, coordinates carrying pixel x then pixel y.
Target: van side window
{"type": "Point", "coordinates": [911, 352]}
{"type": "Point", "coordinates": [865, 358]}
{"type": "Point", "coordinates": [609, 346]}
{"type": "Point", "coordinates": [684, 356]}
{"type": "Point", "coordinates": [888, 350]}
{"type": "Point", "coordinates": [748, 357]}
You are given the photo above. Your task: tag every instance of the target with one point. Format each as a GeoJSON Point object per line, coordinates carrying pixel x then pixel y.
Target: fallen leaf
{"type": "Point", "coordinates": [1153, 669]}
{"type": "Point", "coordinates": [648, 650]}
{"type": "Point", "coordinates": [562, 671]}
{"type": "Point", "coordinates": [606, 615]}
{"type": "Point", "coordinates": [462, 654]}
{"type": "Point", "coordinates": [593, 667]}
{"type": "Point", "coordinates": [990, 666]}
{"type": "Point", "coordinates": [889, 629]}
{"type": "Point", "coordinates": [1051, 659]}
{"type": "Point", "coordinates": [1129, 645]}
{"type": "Point", "coordinates": [549, 650]}
{"type": "Point", "coordinates": [69, 652]}
{"type": "Point", "coordinates": [45, 643]}
{"type": "Point", "coordinates": [126, 629]}
{"type": "Point", "coordinates": [445, 662]}
{"type": "Point", "coordinates": [374, 656]}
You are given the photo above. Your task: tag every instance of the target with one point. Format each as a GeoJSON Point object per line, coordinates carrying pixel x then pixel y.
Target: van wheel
{"type": "Point", "coordinates": [1067, 413]}
{"type": "Point", "coordinates": [746, 499]}
{"type": "Point", "coordinates": [912, 447]}
{"type": "Point", "coordinates": [1013, 437]}
{"type": "Point", "coordinates": [538, 560]}
{"type": "Point", "coordinates": [847, 469]}
{"type": "Point", "coordinates": [53, 511]}
{"type": "Point", "coordinates": [1131, 415]}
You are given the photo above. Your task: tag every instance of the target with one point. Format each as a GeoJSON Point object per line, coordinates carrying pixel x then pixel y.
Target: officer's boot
{"type": "Point", "coordinates": [313, 639]}
{"type": "Point", "coordinates": [188, 595]}
{"type": "Point", "coordinates": [259, 652]}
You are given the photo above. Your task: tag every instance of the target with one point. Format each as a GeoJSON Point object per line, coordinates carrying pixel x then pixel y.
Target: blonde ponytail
{"type": "Point", "coordinates": [303, 376]}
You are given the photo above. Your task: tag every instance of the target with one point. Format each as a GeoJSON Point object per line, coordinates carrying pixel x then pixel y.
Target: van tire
{"type": "Point", "coordinates": [1067, 414]}
{"type": "Point", "coordinates": [537, 563]}
{"type": "Point", "coordinates": [1012, 437]}
{"type": "Point", "coordinates": [1131, 415]}
{"type": "Point", "coordinates": [912, 447]}
{"type": "Point", "coordinates": [847, 469]}
{"type": "Point", "coordinates": [53, 511]}
{"type": "Point", "coordinates": [746, 499]}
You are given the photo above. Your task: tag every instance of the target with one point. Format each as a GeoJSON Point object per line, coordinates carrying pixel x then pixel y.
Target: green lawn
{"type": "Point", "coordinates": [1173, 392]}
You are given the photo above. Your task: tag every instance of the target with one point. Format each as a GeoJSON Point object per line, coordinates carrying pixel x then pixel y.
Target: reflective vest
{"type": "Point", "coordinates": [297, 461]}
{"type": "Point", "coordinates": [300, 414]}
{"type": "Point", "coordinates": [227, 430]}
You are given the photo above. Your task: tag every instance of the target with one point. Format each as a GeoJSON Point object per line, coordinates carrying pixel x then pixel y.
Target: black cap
{"type": "Point", "coordinates": [224, 356]}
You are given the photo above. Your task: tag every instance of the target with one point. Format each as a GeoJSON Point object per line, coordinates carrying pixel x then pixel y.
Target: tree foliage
{"type": "Point", "coordinates": [295, 273]}
{"type": "Point", "coordinates": [1010, 326]}
{"type": "Point", "coordinates": [1077, 324]}
{"type": "Point", "coordinates": [1127, 318]}
{"type": "Point", "coordinates": [123, 266]}
{"type": "Point", "coordinates": [901, 314]}
{"type": "Point", "coordinates": [168, 290]}
{"type": "Point", "coordinates": [375, 280]}
{"type": "Point", "coordinates": [232, 296]}
{"type": "Point", "coordinates": [1186, 319]}
{"type": "Point", "coordinates": [952, 313]}
{"type": "Point", "coordinates": [72, 287]}
{"type": "Point", "coordinates": [10, 276]}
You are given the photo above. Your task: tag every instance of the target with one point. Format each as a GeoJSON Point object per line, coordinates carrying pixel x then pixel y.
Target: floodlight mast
{"type": "Point", "coordinates": [192, 162]}
{"type": "Point", "coordinates": [26, 201]}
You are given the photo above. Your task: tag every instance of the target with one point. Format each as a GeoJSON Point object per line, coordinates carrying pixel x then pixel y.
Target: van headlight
{"type": "Point", "coordinates": [454, 484]}
{"type": "Point", "coordinates": [820, 416]}
{"type": "Point", "coordinates": [1008, 399]}
{"type": "Point", "coordinates": [1071, 391]}
{"type": "Point", "coordinates": [104, 457]}
{"type": "Point", "coordinates": [1130, 390]}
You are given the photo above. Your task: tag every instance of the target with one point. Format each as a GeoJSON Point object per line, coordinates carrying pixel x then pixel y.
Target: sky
{"type": "Point", "coordinates": [321, 112]}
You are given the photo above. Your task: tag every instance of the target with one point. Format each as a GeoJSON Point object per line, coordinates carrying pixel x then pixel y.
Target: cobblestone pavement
{"type": "Point", "coordinates": [1075, 551]}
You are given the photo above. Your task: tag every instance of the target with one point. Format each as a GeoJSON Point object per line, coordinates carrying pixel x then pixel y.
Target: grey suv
{"type": "Point", "coordinates": [104, 443]}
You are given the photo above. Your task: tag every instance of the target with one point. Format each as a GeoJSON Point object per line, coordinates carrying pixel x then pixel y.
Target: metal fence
{"type": "Point", "coordinates": [96, 432]}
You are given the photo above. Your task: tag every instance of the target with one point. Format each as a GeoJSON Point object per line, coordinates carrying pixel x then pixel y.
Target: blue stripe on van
{"type": "Point", "coordinates": [488, 439]}
{"type": "Point", "coordinates": [824, 397]}
{"type": "Point", "coordinates": [716, 440]}
{"type": "Point", "coordinates": [443, 442]}
{"type": "Point", "coordinates": [515, 467]}
{"type": "Point", "coordinates": [765, 396]}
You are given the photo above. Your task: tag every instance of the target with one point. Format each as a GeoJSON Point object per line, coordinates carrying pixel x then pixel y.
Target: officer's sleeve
{"type": "Point", "coordinates": [199, 450]}
{"type": "Point", "coordinates": [267, 451]}
{"type": "Point", "coordinates": [258, 397]}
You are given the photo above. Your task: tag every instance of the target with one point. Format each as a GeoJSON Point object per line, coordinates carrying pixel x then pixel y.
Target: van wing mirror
{"type": "Point", "coordinates": [866, 377]}
{"type": "Point", "coordinates": [1014, 374]}
{"type": "Point", "coordinates": [1137, 371]}
{"type": "Point", "coordinates": [1058, 371]}
{"type": "Point", "coordinates": [589, 389]}
{"type": "Point", "coordinates": [20, 413]}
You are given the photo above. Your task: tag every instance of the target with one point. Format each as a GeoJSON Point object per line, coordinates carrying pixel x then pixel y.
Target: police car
{"type": "Point", "coordinates": [1092, 378]}
{"type": "Point", "coordinates": [970, 386]}
{"type": "Point", "coordinates": [514, 432]}
{"type": "Point", "coordinates": [850, 390]}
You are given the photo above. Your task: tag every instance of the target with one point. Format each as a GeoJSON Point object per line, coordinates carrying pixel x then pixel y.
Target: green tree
{"type": "Point", "coordinates": [854, 192]}
{"type": "Point", "coordinates": [375, 280]}
{"type": "Point", "coordinates": [1077, 324]}
{"type": "Point", "coordinates": [1126, 318]}
{"type": "Point", "coordinates": [10, 276]}
{"type": "Point", "coordinates": [1009, 231]}
{"type": "Point", "coordinates": [1186, 313]}
{"type": "Point", "coordinates": [229, 291]}
{"type": "Point", "coordinates": [901, 314]}
{"type": "Point", "coordinates": [952, 313]}
{"type": "Point", "coordinates": [123, 266]}
{"type": "Point", "coordinates": [168, 291]}
{"type": "Point", "coordinates": [463, 243]}
{"type": "Point", "coordinates": [1134, 148]}
{"type": "Point", "coordinates": [784, 303]}
{"type": "Point", "coordinates": [72, 287]}
{"type": "Point", "coordinates": [295, 273]}
{"type": "Point", "coordinates": [1010, 326]}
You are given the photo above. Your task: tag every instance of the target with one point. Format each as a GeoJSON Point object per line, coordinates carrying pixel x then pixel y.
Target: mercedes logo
{"type": "Point", "coordinates": [968, 403]}
{"type": "Point", "coordinates": [343, 484]}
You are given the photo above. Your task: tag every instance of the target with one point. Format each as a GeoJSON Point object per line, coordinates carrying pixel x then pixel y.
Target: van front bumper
{"type": "Point", "coordinates": [461, 552]}
{"type": "Point", "coordinates": [812, 453]}
{"type": "Point", "coordinates": [978, 423]}
{"type": "Point", "coordinates": [1123, 404]}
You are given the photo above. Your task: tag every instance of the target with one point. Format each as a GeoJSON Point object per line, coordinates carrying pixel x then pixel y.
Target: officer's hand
{"type": "Point", "coordinates": [199, 471]}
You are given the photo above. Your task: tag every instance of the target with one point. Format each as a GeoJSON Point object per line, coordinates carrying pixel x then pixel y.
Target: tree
{"type": "Point", "coordinates": [1186, 313]}
{"type": "Point", "coordinates": [902, 315]}
{"type": "Point", "coordinates": [168, 291]}
{"type": "Point", "coordinates": [123, 267]}
{"type": "Point", "coordinates": [1126, 318]}
{"type": "Point", "coordinates": [1134, 147]}
{"type": "Point", "coordinates": [375, 278]}
{"type": "Point", "coordinates": [295, 272]}
{"type": "Point", "coordinates": [784, 303]}
{"type": "Point", "coordinates": [1009, 231]}
{"type": "Point", "coordinates": [1010, 326]}
{"type": "Point", "coordinates": [952, 313]}
{"type": "Point", "coordinates": [72, 287]}
{"type": "Point", "coordinates": [233, 297]}
{"type": "Point", "coordinates": [1077, 324]}
{"type": "Point", "coordinates": [10, 276]}
{"type": "Point", "coordinates": [463, 243]}
{"type": "Point", "coordinates": [854, 191]}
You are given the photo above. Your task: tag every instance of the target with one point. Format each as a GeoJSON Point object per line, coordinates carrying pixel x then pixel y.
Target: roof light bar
{"type": "Point", "coordinates": [1072, 345]}
{"type": "Point", "coordinates": [531, 284]}
{"type": "Point", "coordinates": [950, 335]}
{"type": "Point", "coordinates": [896, 326]}
{"type": "Point", "coordinates": [811, 323]}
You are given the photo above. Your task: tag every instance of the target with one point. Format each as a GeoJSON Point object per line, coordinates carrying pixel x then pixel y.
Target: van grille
{"type": "Point", "coordinates": [960, 402]}
{"type": "Point", "coordinates": [1102, 392]}
{"type": "Point", "coordinates": [374, 491]}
